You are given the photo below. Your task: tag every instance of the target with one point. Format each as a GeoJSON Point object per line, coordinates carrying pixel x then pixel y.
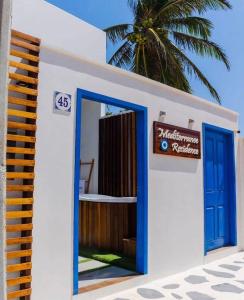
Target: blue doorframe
{"type": "Point", "coordinates": [231, 181]}
{"type": "Point", "coordinates": [142, 178]}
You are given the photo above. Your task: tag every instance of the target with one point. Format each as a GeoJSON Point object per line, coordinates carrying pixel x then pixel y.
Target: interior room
{"type": "Point", "coordinates": [107, 194]}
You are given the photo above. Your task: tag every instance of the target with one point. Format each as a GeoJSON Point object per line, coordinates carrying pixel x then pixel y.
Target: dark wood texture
{"type": "Point", "coordinates": [105, 225]}
{"type": "Point", "coordinates": [181, 142]}
{"type": "Point", "coordinates": [117, 155]}
{"type": "Point", "coordinates": [129, 247]}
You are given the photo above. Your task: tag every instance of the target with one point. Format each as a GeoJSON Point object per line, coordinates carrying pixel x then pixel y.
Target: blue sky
{"type": "Point", "coordinates": [228, 33]}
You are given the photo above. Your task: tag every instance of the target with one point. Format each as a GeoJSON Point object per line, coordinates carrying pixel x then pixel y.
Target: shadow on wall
{"type": "Point", "coordinates": [79, 65]}
{"type": "Point", "coordinates": [171, 163]}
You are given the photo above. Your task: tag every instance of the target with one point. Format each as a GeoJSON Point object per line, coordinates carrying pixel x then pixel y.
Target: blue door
{"type": "Point", "coordinates": [217, 200]}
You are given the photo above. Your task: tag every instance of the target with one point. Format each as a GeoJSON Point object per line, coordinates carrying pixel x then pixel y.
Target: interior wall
{"type": "Point", "coordinates": [91, 113]}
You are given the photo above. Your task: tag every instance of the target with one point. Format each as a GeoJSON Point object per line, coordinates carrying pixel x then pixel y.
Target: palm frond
{"type": "Point", "coordinates": [197, 5]}
{"type": "Point", "coordinates": [123, 56]}
{"type": "Point", "coordinates": [196, 26]}
{"type": "Point", "coordinates": [144, 60]}
{"type": "Point", "coordinates": [187, 7]}
{"type": "Point", "coordinates": [200, 46]}
{"type": "Point", "coordinates": [117, 33]}
{"type": "Point", "coordinates": [158, 39]}
{"type": "Point", "coordinates": [132, 4]}
{"type": "Point", "coordinates": [192, 68]}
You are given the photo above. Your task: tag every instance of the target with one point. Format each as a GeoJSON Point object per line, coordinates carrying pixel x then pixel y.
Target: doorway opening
{"type": "Point", "coordinates": [110, 210]}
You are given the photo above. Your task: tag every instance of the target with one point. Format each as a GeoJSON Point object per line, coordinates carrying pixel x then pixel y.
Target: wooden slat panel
{"type": "Point", "coordinates": [24, 55]}
{"type": "Point", "coordinates": [19, 201]}
{"type": "Point", "coordinates": [20, 162]}
{"type": "Point", "coordinates": [19, 280]}
{"type": "Point", "coordinates": [20, 188]}
{"type": "Point", "coordinates": [18, 254]}
{"type": "Point", "coordinates": [117, 163]}
{"type": "Point", "coordinates": [18, 294]}
{"type": "Point", "coordinates": [20, 150]}
{"type": "Point", "coordinates": [19, 267]}
{"type": "Point", "coordinates": [22, 90]}
{"type": "Point", "coordinates": [19, 125]}
{"type": "Point", "coordinates": [25, 36]}
{"type": "Point", "coordinates": [21, 138]}
{"type": "Point", "coordinates": [23, 102]}
{"type": "Point", "coordinates": [20, 175]}
{"type": "Point", "coordinates": [24, 67]}
{"type": "Point", "coordinates": [25, 45]}
{"type": "Point", "coordinates": [19, 214]}
{"type": "Point", "coordinates": [22, 114]}
{"type": "Point", "coordinates": [23, 78]}
{"type": "Point", "coordinates": [19, 241]}
{"type": "Point", "coordinates": [19, 227]}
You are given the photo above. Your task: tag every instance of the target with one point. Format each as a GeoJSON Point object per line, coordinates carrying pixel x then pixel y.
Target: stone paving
{"type": "Point", "coordinates": [220, 280]}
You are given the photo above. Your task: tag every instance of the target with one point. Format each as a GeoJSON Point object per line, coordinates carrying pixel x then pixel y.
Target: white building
{"type": "Point", "coordinates": [188, 209]}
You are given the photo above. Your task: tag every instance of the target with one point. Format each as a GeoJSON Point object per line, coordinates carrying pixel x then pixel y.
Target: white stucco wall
{"type": "Point", "coordinates": [91, 113]}
{"type": "Point", "coordinates": [58, 28]}
{"type": "Point", "coordinates": [176, 233]}
{"type": "Point", "coordinates": [175, 215]}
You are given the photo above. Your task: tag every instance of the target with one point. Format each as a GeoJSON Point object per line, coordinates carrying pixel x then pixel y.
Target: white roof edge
{"type": "Point", "coordinates": [188, 97]}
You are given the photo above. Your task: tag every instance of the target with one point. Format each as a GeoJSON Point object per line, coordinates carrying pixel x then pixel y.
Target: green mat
{"type": "Point", "coordinates": [115, 259]}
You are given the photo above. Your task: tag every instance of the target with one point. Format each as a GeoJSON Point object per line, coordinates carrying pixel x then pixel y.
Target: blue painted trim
{"type": "Point", "coordinates": [142, 179]}
{"type": "Point", "coordinates": [76, 198]}
{"type": "Point", "coordinates": [231, 181]}
{"type": "Point", "coordinates": [142, 193]}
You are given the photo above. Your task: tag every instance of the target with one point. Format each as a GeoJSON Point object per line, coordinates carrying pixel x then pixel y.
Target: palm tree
{"type": "Point", "coordinates": [162, 34]}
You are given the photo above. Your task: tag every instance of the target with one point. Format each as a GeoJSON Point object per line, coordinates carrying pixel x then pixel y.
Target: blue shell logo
{"type": "Point", "coordinates": [164, 145]}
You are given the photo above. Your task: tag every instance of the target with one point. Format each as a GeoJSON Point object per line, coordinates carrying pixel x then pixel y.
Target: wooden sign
{"type": "Point", "coordinates": [176, 141]}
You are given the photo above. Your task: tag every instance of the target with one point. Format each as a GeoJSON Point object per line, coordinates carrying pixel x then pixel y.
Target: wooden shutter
{"type": "Point", "coordinates": [21, 141]}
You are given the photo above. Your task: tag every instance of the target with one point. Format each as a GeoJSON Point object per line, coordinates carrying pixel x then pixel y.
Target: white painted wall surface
{"type": "Point", "coordinates": [175, 215]}
{"type": "Point", "coordinates": [176, 233]}
{"type": "Point", "coordinates": [91, 113]}
{"type": "Point", "coordinates": [58, 28]}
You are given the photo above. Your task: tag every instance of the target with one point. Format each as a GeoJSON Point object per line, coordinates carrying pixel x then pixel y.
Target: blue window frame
{"type": "Point", "coordinates": [142, 178]}
{"type": "Point", "coordinates": [231, 181]}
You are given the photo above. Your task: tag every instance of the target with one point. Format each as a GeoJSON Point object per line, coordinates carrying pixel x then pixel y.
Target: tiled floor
{"type": "Point", "coordinates": [94, 272]}
{"type": "Point", "coordinates": [220, 280]}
